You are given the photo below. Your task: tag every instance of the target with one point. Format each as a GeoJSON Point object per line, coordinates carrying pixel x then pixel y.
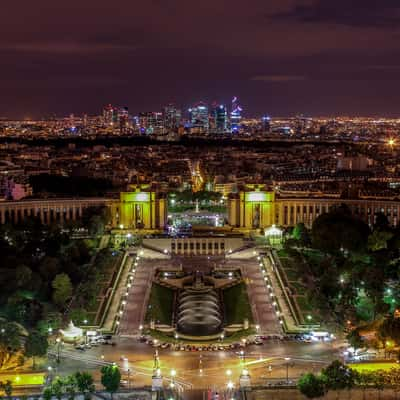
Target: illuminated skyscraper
{"type": "Point", "coordinates": [266, 123]}
{"type": "Point", "coordinates": [110, 115]}
{"type": "Point", "coordinates": [236, 115]}
{"type": "Point", "coordinates": [172, 117]}
{"type": "Point", "coordinates": [220, 118]}
{"type": "Point", "coordinates": [123, 119]}
{"type": "Point", "coordinates": [151, 122]}
{"type": "Point", "coordinates": [199, 117]}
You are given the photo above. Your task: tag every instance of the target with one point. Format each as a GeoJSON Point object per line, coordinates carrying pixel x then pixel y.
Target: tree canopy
{"type": "Point", "coordinates": [62, 289]}
{"type": "Point", "coordinates": [36, 345]}
{"type": "Point", "coordinates": [110, 378]}
{"type": "Point", "coordinates": [312, 386]}
{"type": "Point", "coordinates": [338, 230]}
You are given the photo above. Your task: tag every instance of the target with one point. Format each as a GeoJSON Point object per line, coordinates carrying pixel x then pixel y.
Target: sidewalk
{"type": "Point", "coordinates": [118, 293]}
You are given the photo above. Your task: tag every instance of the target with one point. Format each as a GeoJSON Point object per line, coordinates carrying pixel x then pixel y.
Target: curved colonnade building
{"type": "Point", "coordinates": [249, 209]}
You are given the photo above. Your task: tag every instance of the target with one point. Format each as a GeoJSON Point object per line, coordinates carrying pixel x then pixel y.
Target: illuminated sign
{"type": "Point", "coordinates": [141, 196]}
{"type": "Point", "coordinates": [259, 196]}
{"type": "Point", "coordinates": [135, 197]}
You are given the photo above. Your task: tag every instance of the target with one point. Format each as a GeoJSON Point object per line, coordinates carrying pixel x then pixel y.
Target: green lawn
{"type": "Point", "coordinates": [237, 305]}
{"type": "Point", "coordinates": [23, 379]}
{"type": "Point", "coordinates": [160, 306]}
{"type": "Point", "coordinates": [291, 274]}
{"type": "Point", "coordinates": [304, 305]}
{"type": "Point", "coordinates": [373, 366]}
{"type": "Point", "coordinates": [299, 287]}
{"type": "Point", "coordinates": [290, 267]}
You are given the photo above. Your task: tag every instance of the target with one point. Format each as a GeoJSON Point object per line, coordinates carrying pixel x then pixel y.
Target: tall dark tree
{"type": "Point", "coordinates": [355, 340]}
{"type": "Point", "coordinates": [338, 230]}
{"type": "Point", "coordinates": [312, 386]}
{"type": "Point", "coordinates": [10, 341]}
{"type": "Point", "coordinates": [110, 378]}
{"type": "Point", "coordinates": [390, 329]}
{"type": "Point", "coordinates": [85, 383]}
{"type": "Point", "coordinates": [301, 235]}
{"type": "Point", "coordinates": [338, 376]}
{"type": "Point", "coordinates": [36, 345]}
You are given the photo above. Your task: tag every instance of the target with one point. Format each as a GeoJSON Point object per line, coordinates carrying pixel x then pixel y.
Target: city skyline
{"type": "Point", "coordinates": [200, 200]}
{"type": "Point", "coordinates": [288, 57]}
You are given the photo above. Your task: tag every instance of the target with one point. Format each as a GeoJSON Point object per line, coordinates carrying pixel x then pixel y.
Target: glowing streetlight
{"type": "Point", "coordinates": [58, 341]}
{"type": "Point", "coordinates": [287, 359]}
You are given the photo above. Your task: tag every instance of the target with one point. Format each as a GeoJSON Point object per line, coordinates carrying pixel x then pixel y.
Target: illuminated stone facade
{"type": "Point", "coordinates": [261, 209]}
{"type": "Point", "coordinates": [136, 209]}
{"type": "Point", "coordinates": [252, 210]}
{"type": "Point", "coordinates": [139, 209]}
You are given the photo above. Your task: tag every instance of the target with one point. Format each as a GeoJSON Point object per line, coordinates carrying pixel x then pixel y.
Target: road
{"type": "Point", "coordinates": [201, 370]}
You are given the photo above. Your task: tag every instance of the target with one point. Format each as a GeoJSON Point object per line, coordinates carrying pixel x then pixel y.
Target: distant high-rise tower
{"type": "Point", "coordinates": [110, 115]}
{"type": "Point", "coordinates": [199, 117]}
{"type": "Point", "coordinates": [220, 118]}
{"type": "Point", "coordinates": [236, 115]}
{"type": "Point", "coordinates": [123, 119]}
{"type": "Point", "coordinates": [172, 117]}
{"type": "Point", "coordinates": [266, 123]}
{"type": "Point", "coordinates": [151, 122]}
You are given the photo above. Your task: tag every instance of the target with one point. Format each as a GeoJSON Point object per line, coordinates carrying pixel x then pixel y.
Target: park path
{"type": "Point", "coordinates": [135, 308]}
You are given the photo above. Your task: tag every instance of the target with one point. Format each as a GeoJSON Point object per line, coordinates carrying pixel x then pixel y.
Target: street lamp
{"type": "Point", "coordinates": [173, 374]}
{"type": "Point", "coordinates": [129, 378]}
{"type": "Point", "coordinates": [176, 339]}
{"type": "Point", "coordinates": [58, 341]}
{"type": "Point", "coordinates": [85, 321]}
{"type": "Point", "coordinates": [287, 359]}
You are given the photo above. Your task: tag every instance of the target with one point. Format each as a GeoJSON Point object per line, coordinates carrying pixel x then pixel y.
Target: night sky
{"type": "Point", "coordinates": [281, 57]}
